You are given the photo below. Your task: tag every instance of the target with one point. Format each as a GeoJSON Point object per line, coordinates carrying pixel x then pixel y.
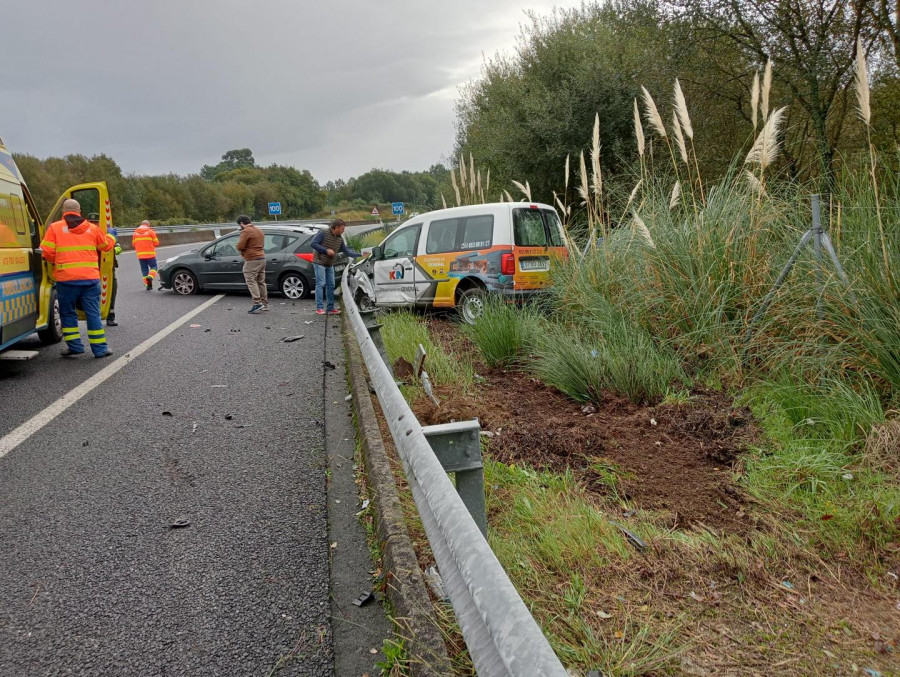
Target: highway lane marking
{"type": "Point", "coordinates": [13, 439]}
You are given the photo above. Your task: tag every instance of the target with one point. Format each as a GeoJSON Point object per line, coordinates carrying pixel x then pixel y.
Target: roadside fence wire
{"type": "Point", "coordinates": [503, 638]}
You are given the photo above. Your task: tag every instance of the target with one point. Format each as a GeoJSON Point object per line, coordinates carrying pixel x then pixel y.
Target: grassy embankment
{"type": "Point", "coordinates": [656, 310]}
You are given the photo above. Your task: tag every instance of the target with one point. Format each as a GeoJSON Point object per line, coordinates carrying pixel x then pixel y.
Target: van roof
{"type": "Point", "coordinates": [480, 208]}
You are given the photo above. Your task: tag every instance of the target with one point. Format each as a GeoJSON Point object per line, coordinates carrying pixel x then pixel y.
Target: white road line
{"type": "Point", "coordinates": [13, 439]}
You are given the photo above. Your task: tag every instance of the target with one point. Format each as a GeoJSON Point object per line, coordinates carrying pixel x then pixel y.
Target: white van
{"type": "Point", "coordinates": [450, 258]}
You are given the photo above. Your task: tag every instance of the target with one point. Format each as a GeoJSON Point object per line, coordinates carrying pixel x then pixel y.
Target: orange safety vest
{"type": "Point", "coordinates": [145, 242]}
{"type": "Point", "coordinates": [73, 250]}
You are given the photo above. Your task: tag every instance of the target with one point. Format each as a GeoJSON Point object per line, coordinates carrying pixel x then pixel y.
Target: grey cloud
{"type": "Point", "coordinates": [336, 88]}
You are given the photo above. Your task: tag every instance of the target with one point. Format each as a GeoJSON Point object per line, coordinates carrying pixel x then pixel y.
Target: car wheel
{"type": "Point", "coordinates": [470, 304]}
{"type": "Point", "coordinates": [184, 282]}
{"type": "Point", "coordinates": [364, 302]}
{"type": "Point", "coordinates": [294, 286]}
{"type": "Point", "coordinates": [53, 333]}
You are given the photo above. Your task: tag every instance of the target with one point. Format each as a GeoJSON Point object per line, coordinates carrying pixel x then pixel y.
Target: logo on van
{"type": "Point", "coordinates": [397, 272]}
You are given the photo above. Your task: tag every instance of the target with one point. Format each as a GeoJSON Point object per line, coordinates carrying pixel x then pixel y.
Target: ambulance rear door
{"type": "Point", "coordinates": [94, 201]}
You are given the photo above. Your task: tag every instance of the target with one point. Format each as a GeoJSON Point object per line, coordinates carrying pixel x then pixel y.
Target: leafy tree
{"type": "Point", "coordinates": [233, 159]}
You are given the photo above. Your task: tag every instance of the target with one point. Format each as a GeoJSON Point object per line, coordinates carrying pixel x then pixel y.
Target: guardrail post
{"type": "Point", "coordinates": [458, 448]}
{"type": "Point", "coordinates": [373, 326]}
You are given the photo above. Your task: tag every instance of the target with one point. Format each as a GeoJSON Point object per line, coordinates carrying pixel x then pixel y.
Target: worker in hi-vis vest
{"type": "Point", "coordinates": [72, 245]}
{"type": "Point", "coordinates": [145, 243]}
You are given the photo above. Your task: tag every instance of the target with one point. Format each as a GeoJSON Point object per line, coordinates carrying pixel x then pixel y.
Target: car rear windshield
{"type": "Point", "coordinates": [536, 228]}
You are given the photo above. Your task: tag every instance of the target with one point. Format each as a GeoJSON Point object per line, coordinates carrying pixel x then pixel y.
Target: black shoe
{"type": "Point", "coordinates": [108, 353]}
{"type": "Point", "coordinates": [149, 287]}
{"type": "Point", "coordinates": [66, 352]}
{"type": "Point", "coordinates": [111, 321]}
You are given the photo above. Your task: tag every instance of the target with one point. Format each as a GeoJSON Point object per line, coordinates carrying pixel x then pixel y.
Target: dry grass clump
{"type": "Point", "coordinates": [882, 447]}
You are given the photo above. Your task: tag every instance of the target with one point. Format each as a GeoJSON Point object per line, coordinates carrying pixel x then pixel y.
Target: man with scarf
{"type": "Point", "coordinates": [72, 245]}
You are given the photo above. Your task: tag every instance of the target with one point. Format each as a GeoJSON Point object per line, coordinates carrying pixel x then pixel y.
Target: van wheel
{"type": "Point", "coordinates": [470, 304]}
{"type": "Point", "coordinates": [53, 333]}
{"type": "Point", "coordinates": [364, 301]}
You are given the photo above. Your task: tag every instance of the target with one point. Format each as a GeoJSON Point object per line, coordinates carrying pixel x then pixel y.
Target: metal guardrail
{"type": "Point", "coordinates": [503, 638]}
{"type": "Point", "coordinates": [216, 226]}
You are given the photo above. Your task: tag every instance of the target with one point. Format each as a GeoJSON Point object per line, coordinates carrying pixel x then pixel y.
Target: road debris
{"type": "Point", "coordinates": [291, 339]}
{"type": "Point", "coordinates": [180, 524]}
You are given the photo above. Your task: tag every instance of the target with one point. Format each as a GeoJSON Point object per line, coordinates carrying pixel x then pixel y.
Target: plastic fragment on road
{"type": "Point", "coordinates": [291, 339]}
{"type": "Point", "coordinates": [196, 326]}
{"type": "Point", "coordinates": [364, 598]}
{"type": "Point", "coordinates": [180, 524]}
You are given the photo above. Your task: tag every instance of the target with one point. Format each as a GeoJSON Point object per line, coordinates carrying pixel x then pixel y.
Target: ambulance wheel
{"type": "Point", "coordinates": [470, 304]}
{"type": "Point", "coordinates": [184, 282]}
{"type": "Point", "coordinates": [53, 333]}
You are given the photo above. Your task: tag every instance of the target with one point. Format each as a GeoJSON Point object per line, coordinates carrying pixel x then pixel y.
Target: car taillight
{"type": "Point", "coordinates": [508, 264]}
{"type": "Point", "coordinates": [305, 257]}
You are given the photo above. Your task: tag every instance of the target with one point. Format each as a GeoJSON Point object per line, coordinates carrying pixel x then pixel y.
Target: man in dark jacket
{"type": "Point", "coordinates": [251, 245]}
{"type": "Point", "coordinates": [327, 243]}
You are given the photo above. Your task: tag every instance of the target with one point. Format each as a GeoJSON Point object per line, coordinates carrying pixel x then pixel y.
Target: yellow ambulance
{"type": "Point", "coordinates": [28, 302]}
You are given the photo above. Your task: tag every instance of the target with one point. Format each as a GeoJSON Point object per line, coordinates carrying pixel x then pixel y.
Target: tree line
{"type": "Point", "coordinates": [530, 109]}
{"type": "Point", "coordinates": [218, 193]}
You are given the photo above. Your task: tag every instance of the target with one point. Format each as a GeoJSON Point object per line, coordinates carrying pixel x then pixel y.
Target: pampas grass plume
{"type": "Point", "coordinates": [765, 148]}
{"type": "Point", "coordinates": [638, 130]}
{"type": "Point", "coordinates": [681, 107]}
{"type": "Point", "coordinates": [766, 89]}
{"type": "Point", "coordinates": [653, 116]}
{"type": "Point", "coordinates": [862, 85]}
{"type": "Point", "coordinates": [676, 194]}
{"type": "Point", "coordinates": [754, 183]}
{"type": "Point", "coordinates": [641, 228]}
{"type": "Point", "coordinates": [679, 138]}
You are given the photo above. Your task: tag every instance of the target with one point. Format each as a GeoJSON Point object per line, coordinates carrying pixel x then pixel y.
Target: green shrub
{"type": "Point", "coordinates": [505, 332]}
{"type": "Point", "coordinates": [622, 358]}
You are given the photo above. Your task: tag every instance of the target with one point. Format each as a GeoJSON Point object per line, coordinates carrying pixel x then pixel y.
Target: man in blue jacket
{"type": "Point", "coordinates": [327, 243]}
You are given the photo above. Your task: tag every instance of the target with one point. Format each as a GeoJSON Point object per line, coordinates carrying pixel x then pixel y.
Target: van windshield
{"type": "Point", "coordinates": [536, 228]}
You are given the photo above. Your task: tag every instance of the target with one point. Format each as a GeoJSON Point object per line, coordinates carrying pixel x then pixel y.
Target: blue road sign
{"type": "Point", "coordinates": [274, 208]}
{"type": "Point", "coordinates": [396, 208]}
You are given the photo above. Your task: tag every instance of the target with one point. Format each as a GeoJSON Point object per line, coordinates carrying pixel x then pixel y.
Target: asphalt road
{"type": "Point", "coordinates": [221, 426]}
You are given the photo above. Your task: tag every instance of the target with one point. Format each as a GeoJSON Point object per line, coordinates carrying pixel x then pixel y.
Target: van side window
{"type": "Point", "coordinates": [18, 214]}
{"type": "Point", "coordinates": [528, 228]}
{"type": "Point", "coordinates": [442, 236]}
{"type": "Point", "coordinates": [477, 233]}
{"type": "Point", "coordinates": [401, 244]}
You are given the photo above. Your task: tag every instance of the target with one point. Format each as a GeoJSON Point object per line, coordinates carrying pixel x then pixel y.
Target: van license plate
{"type": "Point", "coordinates": [534, 264]}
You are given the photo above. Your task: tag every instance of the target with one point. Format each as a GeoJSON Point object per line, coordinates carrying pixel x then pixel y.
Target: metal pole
{"type": "Point", "coordinates": [780, 281]}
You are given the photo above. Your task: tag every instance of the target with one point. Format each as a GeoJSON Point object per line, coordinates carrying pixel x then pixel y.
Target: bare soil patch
{"type": "Point", "coordinates": [678, 458]}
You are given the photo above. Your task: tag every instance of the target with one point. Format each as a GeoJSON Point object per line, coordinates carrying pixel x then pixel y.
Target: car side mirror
{"type": "Point", "coordinates": [376, 253]}
{"type": "Point", "coordinates": [209, 257]}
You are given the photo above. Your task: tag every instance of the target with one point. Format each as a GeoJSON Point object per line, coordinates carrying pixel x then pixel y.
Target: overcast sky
{"type": "Point", "coordinates": [337, 87]}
